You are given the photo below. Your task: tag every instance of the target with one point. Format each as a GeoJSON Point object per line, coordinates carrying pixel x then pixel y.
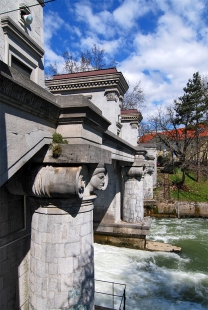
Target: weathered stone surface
{"type": "Point", "coordinates": [161, 247]}
{"type": "Point", "coordinates": [75, 153]}
{"type": "Point", "coordinates": [106, 90]}
{"type": "Point", "coordinates": [127, 242]}
{"type": "Point", "coordinates": [179, 209]}
{"type": "Point", "coordinates": [133, 208]}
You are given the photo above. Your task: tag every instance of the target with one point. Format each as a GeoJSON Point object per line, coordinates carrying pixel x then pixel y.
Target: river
{"type": "Point", "coordinates": [157, 280]}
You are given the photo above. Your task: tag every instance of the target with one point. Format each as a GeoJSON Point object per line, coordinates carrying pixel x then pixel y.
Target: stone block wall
{"type": "Point", "coordinates": [178, 209]}
{"type": "Point", "coordinates": [62, 263]}
{"type": "Point", "coordinates": [15, 221]}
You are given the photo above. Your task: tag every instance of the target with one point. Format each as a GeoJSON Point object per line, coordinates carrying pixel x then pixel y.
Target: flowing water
{"type": "Point", "coordinates": [156, 280]}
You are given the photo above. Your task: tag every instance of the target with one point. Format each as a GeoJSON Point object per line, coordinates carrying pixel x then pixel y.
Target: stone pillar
{"type": "Point", "coordinates": [148, 182]}
{"type": "Point", "coordinates": [133, 206]}
{"type": "Point", "coordinates": [62, 259]}
{"type": "Point", "coordinates": [133, 197]}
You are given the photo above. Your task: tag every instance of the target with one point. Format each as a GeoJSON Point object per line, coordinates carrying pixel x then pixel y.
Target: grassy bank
{"type": "Point", "coordinates": [190, 191]}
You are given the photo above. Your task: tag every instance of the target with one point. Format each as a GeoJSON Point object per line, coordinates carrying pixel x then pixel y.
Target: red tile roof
{"type": "Point", "coordinates": [85, 73]}
{"type": "Point", "coordinates": [175, 134]}
{"type": "Point", "coordinates": [147, 138]}
{"type": "Point", "coordinates": [130, 111]}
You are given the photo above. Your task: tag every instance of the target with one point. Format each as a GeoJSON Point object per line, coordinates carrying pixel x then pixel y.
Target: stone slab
{"type": "Point", "coordinates": [123, 229]}
{"type": "Point", "coordinates": [161, 247]}
{"type": "Point", "coordinates": [137, 242]}
{"type": "Point", "coordinates": [75, 153]}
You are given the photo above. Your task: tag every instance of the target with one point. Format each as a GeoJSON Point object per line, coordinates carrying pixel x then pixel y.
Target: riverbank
{"type": "Point", "coordinates": [177, 209]}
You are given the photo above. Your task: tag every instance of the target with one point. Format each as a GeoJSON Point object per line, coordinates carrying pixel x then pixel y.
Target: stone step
{"type": "Point", "coordinates": [161, 247]}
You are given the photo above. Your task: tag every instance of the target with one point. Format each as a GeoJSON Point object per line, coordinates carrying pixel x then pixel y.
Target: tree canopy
{"type": "Point", "coordinates": [180, 125]}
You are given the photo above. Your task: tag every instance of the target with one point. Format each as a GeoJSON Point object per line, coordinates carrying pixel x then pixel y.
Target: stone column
{"type": "Point", "coordinates": [133, 207]}
{"type": "Point", "coordinates": [133, 198]}
{"type": "Point", "coordinates": [148, 182]}
{"type": "Point", "coordinates": [62, 259]}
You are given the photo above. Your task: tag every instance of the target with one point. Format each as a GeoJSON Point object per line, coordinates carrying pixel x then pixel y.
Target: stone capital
{"type": "Point", "coordinates": [149, 169]}
{"type": "Point", "coordinates": [112, 94]}
{"type": "Point", "coordinates": [133, 171]}
{"type": "Point", "coordinates": [50, 182]}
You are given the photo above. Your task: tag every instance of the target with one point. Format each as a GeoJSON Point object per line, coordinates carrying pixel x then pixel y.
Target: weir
{"type": "Point", "coordinates": [51, 202]}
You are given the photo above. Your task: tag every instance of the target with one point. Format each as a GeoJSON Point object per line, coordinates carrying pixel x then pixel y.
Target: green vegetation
{"type": "Point", "coordinates": [190, 190]}
{"type": "Point", "coordinates": [57, 138]}
{"type": "Point", "coordinates": [55, 146]}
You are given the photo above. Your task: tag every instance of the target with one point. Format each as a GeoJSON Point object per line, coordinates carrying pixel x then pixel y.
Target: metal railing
{"type": "Point", "coordinates": [114, 294]}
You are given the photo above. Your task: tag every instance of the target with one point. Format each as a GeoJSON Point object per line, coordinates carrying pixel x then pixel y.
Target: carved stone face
{"type": "Point", "coordinates": [81, 185]}
{"type": "Point", "coordinates": [98, 181]}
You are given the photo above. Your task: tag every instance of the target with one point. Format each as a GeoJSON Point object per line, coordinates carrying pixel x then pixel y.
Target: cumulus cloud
{"type": "Point", "coordinates": [128, 12]}
{"type": "Point", "coordinates": [158, 42]}
{"type": "Point", "coordinates": [167, 57]}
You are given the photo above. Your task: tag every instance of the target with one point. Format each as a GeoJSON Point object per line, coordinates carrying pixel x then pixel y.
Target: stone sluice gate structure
{"type": "Point", "coordinates": [50, 206]}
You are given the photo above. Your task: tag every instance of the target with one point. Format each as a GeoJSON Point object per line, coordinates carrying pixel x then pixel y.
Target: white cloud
{"type": "Point", "coordinates": [127, 13]}
{"type": "Point", "coordinates": [52, 23]}
{"type": "Point", "coordinates": [98, 23]}
{"type": "Point", "coordinates": [165, 59]}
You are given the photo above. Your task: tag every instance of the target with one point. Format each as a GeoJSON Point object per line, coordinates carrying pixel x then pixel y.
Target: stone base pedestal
{"type": "Point", "coordinates": [123, 234]}
{"type": "Point", "coordinates": [62, 264]}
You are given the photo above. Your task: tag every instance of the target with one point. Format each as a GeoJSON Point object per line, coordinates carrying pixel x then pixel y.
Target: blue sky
{"type": "Point", "coordinates": [158, 42]}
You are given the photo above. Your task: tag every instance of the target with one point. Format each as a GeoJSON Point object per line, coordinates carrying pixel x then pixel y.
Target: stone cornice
{"type": "Point", "coordinates": [41, 2]}
{"type": "Point", "coordinates": [77, 115]}
{"type": "Point", "coordinates": [9, 26]}
{"type": "Point", "coordinates": [131, 117]}
{"type": "Point", "coordinates": [78, 109]}
{"type": "Point", "coordinates": [112, 80]}
{"type": "Point", "coordinates": [25, 99]}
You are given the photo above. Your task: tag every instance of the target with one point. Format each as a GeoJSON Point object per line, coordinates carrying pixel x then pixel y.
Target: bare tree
{"type": "Point", "coordinates": [92, 59]}
{"type": "Point", "coordinates": [134, 99]}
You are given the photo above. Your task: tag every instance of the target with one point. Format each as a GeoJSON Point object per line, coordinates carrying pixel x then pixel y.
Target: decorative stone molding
{"type": "Point", "coordinates": [131, 116]}
{"type": "Point", "coordinates": [94, 79]}
{"type": "Point", "coordinates": [59, 182]}
{"type": "Point", "coordinates": [134, 125]}
{"type": "Point", "coordinates": [26, 100]}
{"type": "Point", "coordinates": [112, 94]}
{"type": "Point", "coordinates": [9, 26]}
{"type": "Point", "coordinates": [133, 172]}
{"type": "Point", "coordinates": [50, 182]}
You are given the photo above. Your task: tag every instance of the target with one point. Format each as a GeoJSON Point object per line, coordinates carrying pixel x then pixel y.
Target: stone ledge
{"type": "Point", "coordinates": [161, 247]}
{"type": "Point", "coordinates": [9, 26]}
{"type": "Point", "coordinates": [123, 229]}
{"type": "Point", "coordinates": [76, 154]}
{"type": "Point", "coordinates": [136, 242]}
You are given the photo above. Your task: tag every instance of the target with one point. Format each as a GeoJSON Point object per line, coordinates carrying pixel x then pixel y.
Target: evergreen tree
{"type": "Point", "coordinates": [191, 111]}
